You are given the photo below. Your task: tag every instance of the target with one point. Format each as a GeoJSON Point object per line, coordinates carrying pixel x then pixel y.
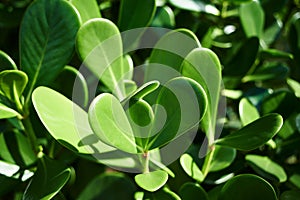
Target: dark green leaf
{"type": "Point", "coordinates": [290, 195]}
{"type": "Point", "coordinates": [192, 191]}
{"type": "Point", "coordinates": [6, 63]}
{"type": "Point", "coordinates": [165, 194]}
{"type": "Point", "coordinates": [164, 17]}
{"type": "Point", "coordinates": [222, 158]}
{"type": "Point", "coordinates": [248, 112]}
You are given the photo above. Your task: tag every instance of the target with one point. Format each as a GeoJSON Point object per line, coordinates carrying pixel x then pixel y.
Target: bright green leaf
{"type": "Point", "coordinates": [110, 123]}
{"type": "Point", "coordinates": [47, 40]}
{"type": "Point", "coordinates": [247, 187]}
{"type": "Point", "coordinates": [196, 6]}
{"type": "Point", "coordinates": [267, 165]}
{"type": "Point", "coordinates": [87, 9]}
{"type": "Point", "coordinates": [191, 168]}
{"type": "Point", "coordinates": [248, 112]}
{"type": "Point", "coordinates": [254, 134]}
{"type": "Point", "coordinates": [152, 181]}
{"type": "Point", "coordinates": [6, 112]}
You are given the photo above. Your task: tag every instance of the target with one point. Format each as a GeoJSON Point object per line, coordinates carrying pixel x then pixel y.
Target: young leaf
{"type": "Point", "coordinates": [6, 112]}
{"type": "Point", "coordinates": [48, 180]}
{"type": "Point", "coordinates": [252, 18]}
{"type": "Point", "coordinates": [222, 158]}
{"type": "Point", "coordinates": [266, 165]}
{"type": "Point", "coordinates": [152, 181]}
{"type": "Point", "coordinates": [47, 39]}
{"type": "Point", "coordinates": [191, 191]}
{"type": "Point", "coordinates": [254, 134]}
{"type": "Point", "coordinates": [6, 63]}
{"type": "Point", "coordinates": [295, 86]}
{"type": "Point", "coordinates": [99, 45]}
{"type": "Point", "coordinates": [247, 187]}
{"type": "Point", "coordinates": [110, 123]}
{"type": "Point", "coordinates": [12, 84]}
{"type": "Point", "coordinates": [87, 9]}
{"type": "Point", "coordinates": [191, 168]}
{"type": "Point", "coordinates": [248, 113]}
{"type": "Point", "coordinates": [135, 14]}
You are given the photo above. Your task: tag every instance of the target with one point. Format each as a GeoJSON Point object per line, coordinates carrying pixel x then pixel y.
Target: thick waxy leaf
{"type": "Point", "coordinates": [266, 165]}
{"type": "Point", "coordinates": [87, 9]}
{"type": "Point", "coordinates": [99, 45]}
{"type": "Point", "coordinates": [6, 62]}
{"type": "Point", "coordinates": [6, 112]}
{"type": "Point", "coordinates": [48, 180]}
{"type": "Point", "coordinates": [247, 187]}
{"type": "Point", "coordinates": [135, 14]}
{"type": "Point", "coordinates": [196, 6]}
{"type": "Point", "coordinates": [295, 86]}
{"type": "Point", "coordinates": [60, 116]}
{"type": "Point", "coordinates": [164, 17]}
{"type": "Point", "coordinates": [152, 181]}
{"type": "Point", "coordinates": [252, 18]}
{"type": "Point", "coordinates": [191, 168]}
{"type": "Point", "coordinates": [222, 158]}
{"type": "Point", "coordinates": [174, 114]}
{"type": "Point", "coordinates": [191, 191]}
{"type": "Point", "coordinates": [203, 66]}
{"type": "Point", "coordinates": [47, 39]}
{"type": "Point", "coordinates": [248, 112]}
{"type": "Point", "coordinates": [108, 186]}
{"type": "Point", "coordinates": [168, 53]}
{"type": "Point", "coordinates": [110, 123]}
{"type": "Point", "coordinates": [274, 53]}
{"type": "Point", "coordinates": [290, 195]}
{"type": "Point", "coordinates": [12, 84]}
{"type": "Point", "coordinates": [254, 134]}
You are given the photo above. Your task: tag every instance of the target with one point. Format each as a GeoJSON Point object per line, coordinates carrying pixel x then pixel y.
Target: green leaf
{"type": "Point", "coordinates": [60, 116]}
{"type": "Point", "coordinates": [6, 63]}
{"type": "Point", "coordinates": [15, 149]}
{"type": "Point", "coordinates": [135, 14]}
{"type": "Point", "coordinates": [130, 87]}
{"type": "Point", "coordinates": [195, 6]}
{"type": "Point", "coordinates": [12, 84]}
{"type": "Point", "coordinates": [203, 66]}
{"type": "Point", "coordinates": [108, 186]}
{"type": "Point", "coordinates": [248, 112]}
{"type": "Point", "coordinates": [87, 9]}
{"type": "Point", "coordinates": [6, 112]}
{"type": "Point", "coordinates": [164, 17]}
{"type": "Point", "coordinates": [110, 123]}
{"type": "Point", "coordinates": [48, 180]}
{"type": "Point", "coordinates": [268, 166]}
{"type": "Point", "coordinates": [128, 67]}
{"type": "Point", "coordinates": [252, 18]}
{"type": "Point", "coordinates": [192, 191]}
{"type": "Point", "coordinates": [222, 158]}
{"type": "Point", "coordinates": [47, 39]}
{"type": "Point", "coordinates": [99, 45]}
{"type": "Point", "coordinates": [275, 53]}
{"type": "Point", "coordinates": [152, 181]}
{"type": "Point", "coordinates": [290, 195]}
{"type": "Point", "coordinates": [174, 114]}
{"type": "Point", "coordinates": [254, 134]}
{"type": "Point", "coordinates": [295, 86]}
{"type": "Point", "coordinates": [247, 187]}
{"type": "Point", "coordinates": [164, 193]}
{"type": "Point", "coordinates": [295, 179]}
{"type": "Point", "coordinates": [191, 168]}
{"type": "Point", "coordinates": [168, 54]}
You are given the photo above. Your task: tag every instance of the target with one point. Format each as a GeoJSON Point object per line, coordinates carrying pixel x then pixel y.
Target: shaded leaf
{"type": "Point", "coordinates": [6, 63]}
{"type": "Point", "coordinates": [191, 191]}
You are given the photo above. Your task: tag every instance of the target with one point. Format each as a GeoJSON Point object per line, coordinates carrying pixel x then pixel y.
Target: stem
{"type": "Point", "coordinates": [145, 162]}
{"type": "Point", "coordinates": [207, 161]}
{"type": "Point", "coordinates": [30, 133]}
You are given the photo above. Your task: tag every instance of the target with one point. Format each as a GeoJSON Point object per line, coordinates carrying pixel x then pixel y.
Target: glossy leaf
{"type": "Point", "coordinates": [196, 6]}
{"type": "Point", "coordinates": [222, 158]}
{"type": "Point", "coordinates": [109, 122]}
{"type": "Point", "coordinates": [267, 165]}
{"type": "Point", "coordinates": [108, 186]}
{"type": "Point", "coordinates": [274, 53]}
{"type": "Point", "coordinates": [152, 181]}
{"type": "Point", "coordinates": [135, 14]}
{"type": "Point", "coordinates": [12, 84]}
{"type": "Point", "coordinates": [47, 39]}
{"type": "Point", "coordinates": [254, 134]}
{"type": "Point", "coordinates": [99, 45]}
{"type": "Point", "coordinates": [6, 63]}
{"type": "Point", "coordinates": [168, 54]}
{"type": "Point", "coordinates": [252, 18]}
{"type": "Point", "coordinates": [203, 66]}
{"type": "Point", "coordinates": [164, 17]}
{"type": "Point", "coordinates": [87, 9]}
{"type": "Point", "coordinates": [191, 191]}
{"type": "Point", "coordinates": [243, 187]}
{"type": "Point", "coordinates": [248, 113]}
{"type": "Point", "coordinates": [295, 86]}
{"type": "Point", "coordinates": [6, 112]}
{"type": "Point", "coordinates": [60, 115]}
{"type": "Point", "coordinates": [48, 180]}
{"type": "Point", "coordinates": [191, 168]}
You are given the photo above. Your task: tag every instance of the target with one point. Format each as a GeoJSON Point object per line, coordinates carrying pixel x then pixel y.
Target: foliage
{"type": "Point", "coordinates": [76, 119]}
